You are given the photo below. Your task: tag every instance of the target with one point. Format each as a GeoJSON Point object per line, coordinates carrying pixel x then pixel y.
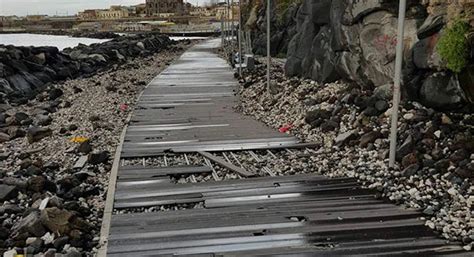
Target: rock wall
{"type": "Point", "coordinates": [25, 71]}
{"type": "Point", "coordinates": [283, 26]}
{"type": "Point", "coordinates": [356, 41]}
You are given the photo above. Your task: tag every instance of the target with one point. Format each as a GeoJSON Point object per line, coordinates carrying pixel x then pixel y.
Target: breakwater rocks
{"type": "Point", "coordinates": [25, 71]}
{"type": "Point", "coordinates": [435, 149]}
{"type": "Point", "coordinates": [56, 153]}
{"type": "Point", "coordinates": [98, 35]}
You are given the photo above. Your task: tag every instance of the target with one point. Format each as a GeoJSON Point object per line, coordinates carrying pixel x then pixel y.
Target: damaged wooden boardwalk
{"type": "Point", "coordinates": [188, 110]}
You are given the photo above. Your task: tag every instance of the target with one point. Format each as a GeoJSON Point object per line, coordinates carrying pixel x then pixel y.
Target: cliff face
{"type": "Point", "coordinates": [283, 25]}
{"type": "Point", "coordinates": [356, 41]}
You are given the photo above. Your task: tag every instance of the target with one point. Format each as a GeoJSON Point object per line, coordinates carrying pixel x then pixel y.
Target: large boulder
{"type": "Point", "coordinates": [19, 84]}
{"type": "Point", "coordinates": [441, 90]}
{"type": "Point", "coordinates": [5, 86]}
{"type": "Point", "coordinates": [356, 41]}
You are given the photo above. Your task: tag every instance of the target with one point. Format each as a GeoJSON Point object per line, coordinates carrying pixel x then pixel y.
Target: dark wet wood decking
{"type": "Point", "coordinates": [188, 108]}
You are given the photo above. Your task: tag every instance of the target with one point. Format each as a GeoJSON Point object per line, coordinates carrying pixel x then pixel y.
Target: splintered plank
{"type": "Point", "coordinates": [227, 165]}
{"type": "Point", "coordinates": [135, 172]}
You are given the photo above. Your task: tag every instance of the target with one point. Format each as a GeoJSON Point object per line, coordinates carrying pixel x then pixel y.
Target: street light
{"type": "Point", "coordinates": [397, 81]}
{"type": "Point", "coordinates": [240, 38]}
{"type": "Point", "coordinates": [268, 45]}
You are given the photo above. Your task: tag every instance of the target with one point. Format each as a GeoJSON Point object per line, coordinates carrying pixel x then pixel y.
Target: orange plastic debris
{"type": "Point", "coordinates": [79, 139]}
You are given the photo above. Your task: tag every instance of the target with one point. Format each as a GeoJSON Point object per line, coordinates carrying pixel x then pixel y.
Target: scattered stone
{"type": "Point", "coordinates": [40, 184]}
{"type": "Point", "coordinates": [381, 106]}
{"type": "Point", "coordinates": [446, 120]}
{"type": "Point", "coordinates": [85, 147]}
{"type": "Point", "coordinates": [60, 242]}
{"type": "Point", "coordinates": [409, 159]}
{"type": "Point", "coordinates": [10, 253]}
{"type": "Point", "coordinates": [409, 116]}
{"type": "Point", "coordinates": [30, 224]}
{"type": "Point", "coordinates": [43, 120]}
{"type": "Point", "coordinates": [16, 132]}
{"type": "Point", "coordinates": [55, 93]}
{"type": "Point", "coordinates": [7, 192]}
{"type": "Point", "coordinates": [81, 162]}
{"type": "Point", "coordinates": [99, 157]}
{"type": "Point", "coordinates": [72, 127]}
{"type": "Point", "coordinates": [57, 220]}
{"type": "Point", "coordinates": [4, 156]}
{"type": "Point", "coordinates": [4, 137]}
{"type": "Point", "coordinates": [406, 147]}
{"type": "Point", "coordinates": [344, 138]}
{"type": "Point", "coordinates": [369, 138]}
{"type": "Point", "coordinates": [35, 134]}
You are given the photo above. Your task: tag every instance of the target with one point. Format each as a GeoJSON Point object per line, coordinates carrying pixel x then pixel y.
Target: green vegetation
{"type": "Point", "coordinates": [453, 45]}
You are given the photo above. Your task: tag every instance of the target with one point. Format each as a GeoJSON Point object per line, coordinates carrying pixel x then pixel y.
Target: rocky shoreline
{"type": "Point", "coordinates": [97, 35]}
{"type": "Point", "coordinates": [26, 71]}
{"type": "Point", "coordinates": [56, 148]}
{"type": "Point", "coordinates": [435, 152]}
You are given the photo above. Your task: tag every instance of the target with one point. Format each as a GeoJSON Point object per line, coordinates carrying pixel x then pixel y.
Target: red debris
{"type": "Point", "coordinates": [123, 107]}
{"type": "Point", "coordinates": [285, 128]}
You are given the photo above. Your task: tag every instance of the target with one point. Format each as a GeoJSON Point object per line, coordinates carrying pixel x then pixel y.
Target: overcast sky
{"type": "Point", "coordinates": [62, 7]}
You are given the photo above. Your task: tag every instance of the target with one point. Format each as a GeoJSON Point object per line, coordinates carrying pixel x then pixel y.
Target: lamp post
{"type": "Point", "coordinates": [397, 82]}
{"type": "Point", "coordinates": [268, 45]}
{"type": "Point", "coordinates": [232, 19]}
{"type": "Point", "coordinates": [240, 38]}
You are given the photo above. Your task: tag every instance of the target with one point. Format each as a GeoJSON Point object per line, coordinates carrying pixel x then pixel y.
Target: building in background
{"type": "Point", "coordinates": [140, 10]}
{"type": "Point", "coordinates": [222, 8]}
{"type": "Point", "coordinates": [36, 17]}
{"type": "Point", "coordinates": [114, 13]}
{"type": "Point", "coordinates": [88, 26]}
{"type": "Point", "coordinates": [157, 7]}
{"type": "Point", "coordinates": [87, 15]}
{"type": "Point", "coordinates": [202, 11]}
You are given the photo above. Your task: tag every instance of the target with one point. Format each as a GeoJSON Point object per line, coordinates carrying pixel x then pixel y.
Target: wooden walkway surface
{"type": "Point", "coordinates": [188, 109]}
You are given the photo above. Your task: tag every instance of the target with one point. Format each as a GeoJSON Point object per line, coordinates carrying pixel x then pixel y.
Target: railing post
{"type": "Point", "coordinates": [397, 82]}
{"type": "Point", "coordinates": [222, 31]}
{"type": "Point", "coordinates": [231, 15]}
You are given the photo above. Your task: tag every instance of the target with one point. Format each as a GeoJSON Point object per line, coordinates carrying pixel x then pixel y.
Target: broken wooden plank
{"type": "Point", "coordinates": [227, 165]}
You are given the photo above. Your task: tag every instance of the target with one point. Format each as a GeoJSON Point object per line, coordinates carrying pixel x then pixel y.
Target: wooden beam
{"type": "Point", "coordinates": [227, 165]}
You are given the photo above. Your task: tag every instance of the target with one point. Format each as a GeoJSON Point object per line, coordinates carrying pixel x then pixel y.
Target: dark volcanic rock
{"type": "Point", "coordinates": [55, 93]}
{"type": "Point", "coordinates": [85, 147]}
{"type": "Point", "coordinates": [26, 70]}
{"type": "Point", "coordinates": [35, 134]}
{"type": "Point", "coordinates": [441, 90]}
{"type": "Point", "coordinates": [355, 41]}
{"type": "Point", "coordinates": [7, 192]}
{"type": "Point", "coordinates": [4, 137]}
{"type": "Point", "coordinates": [40, 184]}
{"type": "Point", "coordinates": [30, 224]}
{"type": "Point", "coordinates": [99, 157]}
